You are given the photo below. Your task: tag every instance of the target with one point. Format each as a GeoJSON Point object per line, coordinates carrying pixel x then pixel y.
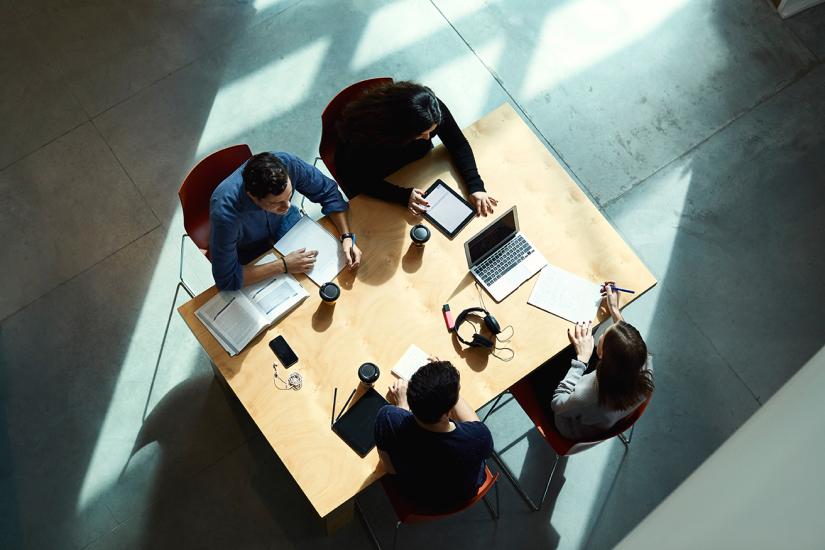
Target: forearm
{"type": "Point", "coordinates": [616, 315]}
{"type": "Point", "coordinates": [463, 412]}
{"type": "Point", "coordinates": [341, 221]}
{"type": "Point", "coordinates": [253, 273]}
{"type": "Point", "coordinates": [385, 459]}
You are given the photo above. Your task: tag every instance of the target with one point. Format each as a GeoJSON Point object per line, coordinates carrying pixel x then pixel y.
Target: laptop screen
{"type": "Point", "coordinates": [497, 233]}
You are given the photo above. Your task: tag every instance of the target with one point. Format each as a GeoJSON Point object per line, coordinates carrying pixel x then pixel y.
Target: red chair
{"type": "Point", "coordinates": [330, 116]}
{"type": "Point", "coordinates": [525, 395]}
{"type": "Point", "coordinates": [195, 192]}
{"type": "Point", "coordinates": [406, 511]}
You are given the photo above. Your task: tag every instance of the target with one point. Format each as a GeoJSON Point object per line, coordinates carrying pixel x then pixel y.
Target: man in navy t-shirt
{"type": "Point", "coordinates": [432, 439]}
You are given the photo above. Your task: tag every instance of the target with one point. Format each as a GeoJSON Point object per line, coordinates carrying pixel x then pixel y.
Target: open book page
{"type": "Point", "coordinates": [276, 296]}
{"type": "Point", "coordinates": [309, 234]}
{"type": "Point", "coordinates": [411, 361]}
{"type": "Point", "coordinates": [232, 319]}
{"type": "Point", "coordinates": [566, 295]}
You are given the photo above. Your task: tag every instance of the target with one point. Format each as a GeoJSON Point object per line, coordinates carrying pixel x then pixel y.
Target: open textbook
{"type": "Point", "coordinates": [235, 317]}
{"type": "Point", "coordinates": [309, 234]}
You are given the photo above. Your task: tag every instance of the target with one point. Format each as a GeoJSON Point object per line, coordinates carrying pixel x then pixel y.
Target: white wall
{"type": "Point", "coordinates": [763, 488]}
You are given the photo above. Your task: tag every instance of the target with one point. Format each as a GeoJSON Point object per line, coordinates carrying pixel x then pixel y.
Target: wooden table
{"type": "Point", "coordinates": [395, 300]}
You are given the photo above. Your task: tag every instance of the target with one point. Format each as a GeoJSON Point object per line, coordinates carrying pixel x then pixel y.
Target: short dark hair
{"type": "Point", "coordinates": [433, 391]}
{"type": "Point", "coordinates": [264, 175]}
{"type": "Point", "coordinates": [623, 379]}
{"type": "Point", "coordinates": [389, 114]}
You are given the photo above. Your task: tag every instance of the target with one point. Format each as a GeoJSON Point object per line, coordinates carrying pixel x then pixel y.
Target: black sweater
{"type": "Point", "coordinates": [362, 168]}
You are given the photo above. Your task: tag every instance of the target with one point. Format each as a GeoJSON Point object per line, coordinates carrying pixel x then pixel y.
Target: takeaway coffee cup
{"type": "Point", "coordinates": [368, 374]}
{"type": "Point", "coordinates": [419, 234]}
{"type": "Point", "coordinates": [329, 293]}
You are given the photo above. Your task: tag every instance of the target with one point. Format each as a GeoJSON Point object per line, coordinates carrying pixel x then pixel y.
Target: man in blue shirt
{"type": "Point", "coordinates": [432, 439]}
{"type": "Point", "coordinates": [251, 209]}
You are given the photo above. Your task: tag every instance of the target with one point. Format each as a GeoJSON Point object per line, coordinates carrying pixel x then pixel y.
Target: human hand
{"type": "Point", "coordinates": [582, 339]}
{"type": "Point", "coordinates": [352, 253]}
{"type": "Point", "coordinates": [300, 261]}
{"type": "Point", "coordinates": [433, 359]}
{"type": "Point", "coordinates": [417, 203]}
{"type": "Point", "coordinates": [398, 393]}
{"type": "Point", "coordinates": [610, 297]}
{"type": "Point", "coordinates": [482, 203]}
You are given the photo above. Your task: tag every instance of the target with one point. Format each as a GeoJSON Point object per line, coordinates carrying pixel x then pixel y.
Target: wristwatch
{"type": "Point", "coordinates": [348, 236]}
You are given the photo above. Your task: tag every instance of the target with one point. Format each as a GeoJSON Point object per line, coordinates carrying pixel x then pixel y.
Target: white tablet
{"type": "Point", "coordinates": [448, 210]}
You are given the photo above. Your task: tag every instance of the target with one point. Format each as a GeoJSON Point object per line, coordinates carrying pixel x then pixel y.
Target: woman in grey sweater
{"type": "Point", "coordinates": [588, 405]}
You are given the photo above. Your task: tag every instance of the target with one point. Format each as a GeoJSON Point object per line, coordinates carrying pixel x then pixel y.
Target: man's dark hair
{"type": "Point", "coordinates": [264, 175]}
{"type": "Point", "coordinates": [433, 391]}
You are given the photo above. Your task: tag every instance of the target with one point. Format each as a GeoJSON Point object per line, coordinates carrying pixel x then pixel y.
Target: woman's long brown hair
{"type": "Point", "coordinates": [389, 115]}
{"type": "Point", "coordinates": [623, 380]}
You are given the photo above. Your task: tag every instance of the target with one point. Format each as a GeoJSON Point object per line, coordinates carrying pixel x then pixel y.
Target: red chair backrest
{"type": "Point", "coordinates": [197, 187]}
{"type": "Point", "coordinates": [526, 396]}
{"type": "Point", "coordinates": [330, 116]}
{"type": "Point", "coordinates": [407, 512]}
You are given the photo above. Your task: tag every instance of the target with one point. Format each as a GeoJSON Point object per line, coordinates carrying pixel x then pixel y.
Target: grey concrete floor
{"type": "Point", "coordinates": [697, 128]}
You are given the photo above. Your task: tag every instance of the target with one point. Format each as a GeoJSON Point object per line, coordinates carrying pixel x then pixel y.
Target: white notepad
{"type": "Point", "coordinates": [566, 295]}
{"type": "Point", "coordinates": [411, 361]}
{"type": "Point", "coordinates": [309, 234]}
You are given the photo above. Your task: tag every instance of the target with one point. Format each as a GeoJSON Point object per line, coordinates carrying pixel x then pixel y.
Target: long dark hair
{"type": "Point", "coordinates": [623, 380]}
{"type": "Point", "coordinates": [390, 114]}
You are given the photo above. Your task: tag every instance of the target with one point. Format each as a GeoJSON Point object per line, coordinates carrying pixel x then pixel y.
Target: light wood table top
{"type": "Point", "coordinates": [395, 299]}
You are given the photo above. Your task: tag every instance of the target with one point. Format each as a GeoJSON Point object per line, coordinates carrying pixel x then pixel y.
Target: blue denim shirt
{"type": "Point", "coordinates": [241, 231]}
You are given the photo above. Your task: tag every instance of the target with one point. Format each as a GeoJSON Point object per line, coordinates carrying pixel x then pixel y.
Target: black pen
{"type": "Point", "coordinates": [334, 396]}
{"type": "Point", "coordinates": [345, 405]}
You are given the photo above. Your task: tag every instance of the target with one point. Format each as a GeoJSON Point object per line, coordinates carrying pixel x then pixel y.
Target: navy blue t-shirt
{"type": "Point", "coordinates": [435, 469]}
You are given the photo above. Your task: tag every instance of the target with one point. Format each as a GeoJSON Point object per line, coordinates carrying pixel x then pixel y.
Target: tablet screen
{"type": "Point", "coordinates": [447, 209]}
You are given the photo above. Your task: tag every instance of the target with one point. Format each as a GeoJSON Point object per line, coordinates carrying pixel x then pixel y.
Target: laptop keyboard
{"type": "Point", "coordinates": [503, 260]}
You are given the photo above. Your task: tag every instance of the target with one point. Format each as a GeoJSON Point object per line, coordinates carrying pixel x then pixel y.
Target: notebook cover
{"type": "Point", "coordinates": [357, 426]}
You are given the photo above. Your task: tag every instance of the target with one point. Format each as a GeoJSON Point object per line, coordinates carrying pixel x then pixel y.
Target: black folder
{"type": "Point", "coordinates": [357, 426]}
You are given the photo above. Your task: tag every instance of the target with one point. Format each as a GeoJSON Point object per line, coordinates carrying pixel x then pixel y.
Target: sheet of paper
{"type": "Point", "coordinates": [446, 209]}
{"type": "Point", "coordinates": [309, 234]}
{"type": "Point", "coordinates": [410, 362]}
{"type": "Point", "coordinates": [565, 294]}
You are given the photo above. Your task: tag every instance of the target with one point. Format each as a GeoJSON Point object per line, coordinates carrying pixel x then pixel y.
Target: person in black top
{"type": "Point", "coordinates": [432, 439]}
{"type": "Point", "coordinates": [392, 125]}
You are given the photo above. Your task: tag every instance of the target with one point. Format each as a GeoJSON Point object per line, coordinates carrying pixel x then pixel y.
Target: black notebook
{"type": "Point", "coordinates": [357, 426]}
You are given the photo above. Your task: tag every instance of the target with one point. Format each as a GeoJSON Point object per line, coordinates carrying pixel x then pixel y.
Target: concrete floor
{"type": "Point", "coordinates": [697, 127]}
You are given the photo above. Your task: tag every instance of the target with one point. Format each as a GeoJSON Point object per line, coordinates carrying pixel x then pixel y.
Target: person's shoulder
{"type": "Point", "coordinates": [392, 414]}
{"type": "Point", "coordinates": [475, 429]}
{"type": "Point", "coordinates": [226, 196]}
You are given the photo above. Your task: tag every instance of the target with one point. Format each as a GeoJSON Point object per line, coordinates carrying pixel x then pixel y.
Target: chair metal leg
{"type": "Point", "coordinates": [514, 482]}
{"type": "Point", "coordinates": [180, 271]}
{"type": "Point", "coordinates": [367, 524]}
{"type": "Point", "coordinates": [493, 513]}
{"type": "Point", "coordinates": [549, 481]}
{"type": "Point", "coordinates": [163, 343]}
{"type": "Point", "coordinates": [490, 410]}
{"type": "Point", "coordinates": [626, 440]}
{"type": "Point", "coordinates": [395, 535]}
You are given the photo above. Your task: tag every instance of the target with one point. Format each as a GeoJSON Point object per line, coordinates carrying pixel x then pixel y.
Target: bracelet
{"type": "Point", "coordinates": [348, 236]}
{"type": "Point", "coordinates": [286, 269]}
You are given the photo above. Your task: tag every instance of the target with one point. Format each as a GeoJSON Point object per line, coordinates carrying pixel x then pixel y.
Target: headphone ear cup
{"type": "Point", "coordinates": [480, 341]}
{"type": "Point", "coordinates": [492, 324]}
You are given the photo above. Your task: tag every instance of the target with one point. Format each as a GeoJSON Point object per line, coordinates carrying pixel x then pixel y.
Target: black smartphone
{"type": "Point", "coordinates": [282, 350]}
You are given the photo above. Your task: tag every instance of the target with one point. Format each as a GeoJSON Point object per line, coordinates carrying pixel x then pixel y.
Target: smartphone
{"type": "Point", "coordinates": [282, 350]}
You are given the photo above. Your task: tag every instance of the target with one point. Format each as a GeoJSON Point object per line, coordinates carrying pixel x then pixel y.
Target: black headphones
{"type": "Point", "coordinates": [478, 340]}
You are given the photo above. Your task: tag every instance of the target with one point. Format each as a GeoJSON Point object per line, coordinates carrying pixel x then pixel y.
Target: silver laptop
{"type": "Point", "coordinates": [501, 258]}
